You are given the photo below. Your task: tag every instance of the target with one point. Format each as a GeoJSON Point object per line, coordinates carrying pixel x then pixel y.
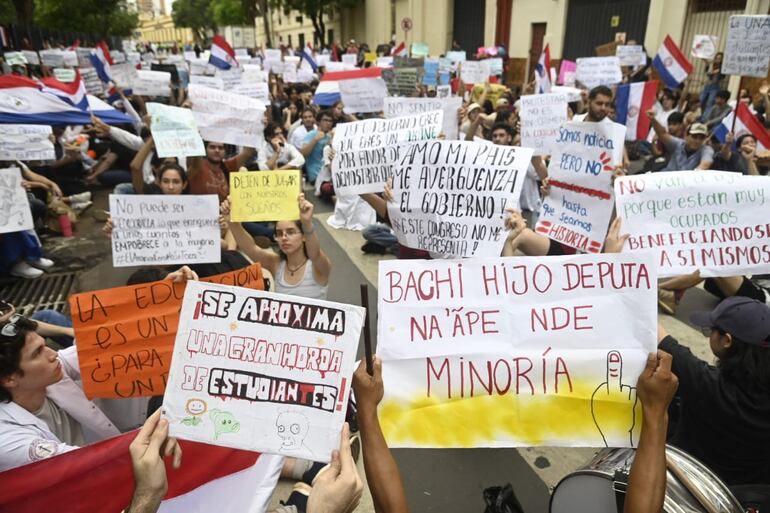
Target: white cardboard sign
{"type": "Point", "coordinates": [541, 116]}
{"type": "Point", "coordinates": [227, 117]}
{"type": "Point", "coordinates": [26, 142]}
{"type": "Point", "coordinates": [15, 214]}
{"type": "Point", "coordinates": [450, 196]}
{"type": "Point", "coordinates": [396, 107]}
{"type": "Point", "coordinates": [713, 222]}
{"type": "Point", "coordinates": [174, 131]}
{"type": "Point", "coordinates": [261, 371]}
{"type": "Point", "coordinates": [594, 71]}
{"type": "Point", "coordinates": [366, 150]}
{"type": "Point", "coordinates": [747, 49]}
{"type": "Point", "coordinates": [164, 229]}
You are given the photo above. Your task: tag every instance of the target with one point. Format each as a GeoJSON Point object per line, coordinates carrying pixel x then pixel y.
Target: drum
{"type": "Point", "coordinates": [592, 488]}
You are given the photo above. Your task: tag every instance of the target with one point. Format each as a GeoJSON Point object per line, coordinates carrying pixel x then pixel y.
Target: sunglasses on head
{"type": "Point", "coordinates": [15, 324]}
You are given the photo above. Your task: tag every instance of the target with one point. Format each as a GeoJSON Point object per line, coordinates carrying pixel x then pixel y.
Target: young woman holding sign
{"type": "Point", "coordinates": [301, 268]}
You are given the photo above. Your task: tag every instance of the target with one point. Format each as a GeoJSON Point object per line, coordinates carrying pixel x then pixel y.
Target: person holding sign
{"type": "Point", "coordinates": [689, 153]}
{"type": "Point", "coordinates": [301, 268]}
{"type": "Point", "coordinates": [277, 154]}
{"type": "Point", "coordinates": [209, 174]}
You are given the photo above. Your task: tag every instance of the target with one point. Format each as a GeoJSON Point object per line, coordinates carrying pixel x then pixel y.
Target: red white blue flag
{"type": "Point", "coordinates": [543, 72]}
{"type": "Point", "coordinates": [671, 63]}
{"type": "Point", "coordinates": [632, 101]}
{"type": "Point", "coordinates": [222, 54]}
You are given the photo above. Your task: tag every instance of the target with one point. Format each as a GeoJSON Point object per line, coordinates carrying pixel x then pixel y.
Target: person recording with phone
{"type": "Point", "coordinates": [277, 153]}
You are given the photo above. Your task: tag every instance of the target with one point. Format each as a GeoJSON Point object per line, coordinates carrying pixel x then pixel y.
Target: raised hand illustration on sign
{"type": "Point", "coordinates": [615, 405]}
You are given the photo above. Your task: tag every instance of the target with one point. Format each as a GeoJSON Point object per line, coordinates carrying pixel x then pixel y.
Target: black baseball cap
{"type": "Point", "coordinates": [746, 319]}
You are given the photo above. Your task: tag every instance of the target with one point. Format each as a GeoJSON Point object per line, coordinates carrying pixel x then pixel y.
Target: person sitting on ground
{"type": "Point", "coordinates": [671, 290]}
{"type": "Point", "coordinates": [211, 174]}
{"type": "Point", "coordinates": [301, 268]}
{"type": "Point", "coordinates": [43, 409]}
{"type": "Point", "coordinates": [276, 154]}
{"type": "Point", "coordinates": [50, 323]}
{"type": "Point", "coordinates": [743, 161]}
{"type": "Point", "coordinates": [686, 154]}
{"type": "Point", "coordinates": [724, 417]}
{"type": "Point", "coordinates": [307, 125]}
{"type": "Point", "coordinates": [718, 111]}
{"type": "Point", "coordinates": [314, 144]}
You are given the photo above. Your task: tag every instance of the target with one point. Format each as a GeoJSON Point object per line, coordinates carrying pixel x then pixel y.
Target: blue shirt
{"type": "Point", "coordinates": [314, 161]}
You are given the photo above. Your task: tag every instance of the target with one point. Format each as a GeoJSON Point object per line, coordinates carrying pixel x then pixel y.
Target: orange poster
{"type": "Point", "coordinates": [125, 336]}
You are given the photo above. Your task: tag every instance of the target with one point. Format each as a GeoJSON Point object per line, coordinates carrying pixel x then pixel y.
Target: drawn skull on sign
{"type": "Point", "coordinates": [292, 429]}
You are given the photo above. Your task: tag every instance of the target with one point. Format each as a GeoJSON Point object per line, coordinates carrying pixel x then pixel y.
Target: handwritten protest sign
{"type": "Point", "coordinates": [567, 70]}
{"type": "Point", "coordinates": [385, 61]}
{"type": "Point", "coordinates": [152, 83]}
{"type": "Point", "coordinates": [256, 90]}
{"type": "Point", "coordinates": [577, 210]}
{"type": "Point", "coordinates": [15, 58]}
{"type": "Point", "coordinates": [92, 81]}
{"type": "Point", "coordinates": [272, 54]}
{"type": "Point", "coordinates": [227, 117]}
{"type": "Point", "coordinates": [714, 222]}
{"type": "Point", "coordinates": [174, 131]}
{"type": "Point", "coordinates": [518, 351]}
{"type": "Point", "coordinates": [366, 150]}
{"type": "Point", "coordinates": [747, 49]}
{"type": "Point", "coordinates": [401, 81]}
{"type": "Point", "coordinates": [265, 196]}
{"type": "Point", "coordinates": [495, 66]}
{"type": "Point", "coordinates": [631, 55]}
{"type": "Point", "coordinates": [230, 77]}
{"type": "Point", "coordinates": [53, 58]}
{"type": "Point", "coordinates": [594, 71]}
{"type": "Point", "coordinates": [126, 334]}
{"type": "Point", "coordinates": [64, 75]}
{"type": "Point", "coordinates": [350, 58]}
{"type": "Point", "coordinates": [457, 56]}
{"type": "Point", "coordinates": [261, 371]}
{"type": "Point", "coordinates": [474, 72]}
{"type": "Point", "coordinates": [164, 229]}
{"type": "Point", "coordinates": [26, 142]}
{"type": "Point", "coordinates": [31, 56]}
{"type": "Point", "coordinates": [451, 196]}
{"type": "Point", "coordinates": [396, 107]}
{"type": "Point", "coordinates": [15, 214]}
{"type": "Point", "coordinates": [430, 72]}
{"type": "Point", "coordinates": [363, 94]}
{"type": "Point", "coordinates": [207, 81]}
{"type": "Point", "coordinates": [541, 117]}
{"type": "Point", "coordinates": [124, 75]}
{"type": "Point", "coordinates": [704, 46]}
{"type": "Point", "coordinates": [420, 50]}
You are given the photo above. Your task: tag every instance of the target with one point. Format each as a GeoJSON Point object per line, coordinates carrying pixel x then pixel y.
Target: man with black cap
{"type": "Point", "coordinates": [724, 418]}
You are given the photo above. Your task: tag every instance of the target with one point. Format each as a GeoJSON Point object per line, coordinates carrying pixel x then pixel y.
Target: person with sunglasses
{"type": "Point", "coordinates": [724, 409]}
{"type": "Point", "coordinates": [50, 323]}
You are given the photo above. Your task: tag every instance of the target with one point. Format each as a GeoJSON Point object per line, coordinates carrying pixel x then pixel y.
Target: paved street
{"type": "Point", "coordinates": [435, 480]}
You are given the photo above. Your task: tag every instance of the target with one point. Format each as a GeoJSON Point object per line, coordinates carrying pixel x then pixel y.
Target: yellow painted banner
{"type": "Point", "coordinates": [264, 195]}
{"type": "Point", "coordinates": [521, 351]}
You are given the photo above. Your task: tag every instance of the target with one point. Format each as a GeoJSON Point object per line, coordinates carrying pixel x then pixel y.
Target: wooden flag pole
{"type": "Point", "coordinates": [367, 330]}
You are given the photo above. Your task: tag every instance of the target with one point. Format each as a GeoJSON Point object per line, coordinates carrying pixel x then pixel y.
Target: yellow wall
{"type": "Point", "coordinates": [289, 26]}
{"type": "Point", "coordinates": [527, 12]}
{"type": "Point", "coordinates": [161, 29]}
{"type": "Point", "coordinates": [666, 17]}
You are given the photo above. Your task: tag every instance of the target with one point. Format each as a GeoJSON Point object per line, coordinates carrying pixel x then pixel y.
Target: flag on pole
{"type": "Point", "coordinates": [100, 63]}
{"type": "Point", "coordinates": [543, 72]}
{"type": "Point", "coordinates": [99, 478]}
{"type": "Point", "coordinates": [222, 54]}
{"type": "Point", "coordinates": [671, 63]}
{"type": "Point", "coordinates": [309, 58]}
{"type": "Point", "coordinates": [632, 102]}
{"type": "Point", "coordinates": [401, 50]}
{"type": "Point", "coordinates": [745, 123]}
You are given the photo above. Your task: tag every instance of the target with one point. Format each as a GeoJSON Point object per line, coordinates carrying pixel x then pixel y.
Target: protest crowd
{"type": "Point", "coordinates": [637, 188]}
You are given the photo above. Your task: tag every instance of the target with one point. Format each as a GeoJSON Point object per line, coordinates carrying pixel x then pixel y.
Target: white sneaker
{"type": "Point", "coordinates": [41, 263]}
{"type": "Point", "coordinates": [81, 206]}
{"type": "Point", "coordinates": [80, 198]}
{"type": "Point", "coordinates": [26, 271]}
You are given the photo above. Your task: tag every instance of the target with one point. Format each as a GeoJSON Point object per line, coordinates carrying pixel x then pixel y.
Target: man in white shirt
{"type": "Point", "coordinates": [43, 410]}
{"type": "Point", "coordinates": [297, 135]}
{"type": "Point", "coordinates": [276, 154]}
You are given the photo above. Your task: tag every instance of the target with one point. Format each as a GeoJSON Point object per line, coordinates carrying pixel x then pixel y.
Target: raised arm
{"type": "Point", "coordinates": [382, 474]}
{"type": "Point", "coordinates": [322, 266]}
{"type": "Point", "coordinates": [244, 156]}
{"type": "Point", "coordinates": [660, 130]}
{"type": "Point", "coordinates": [137, 165]}
{"type": "Point", "coordinates": [307, 148]}
{"type": "Point", "coordinates": [245, 242]}
{"type": "Point", "coordinates": [647, 483]}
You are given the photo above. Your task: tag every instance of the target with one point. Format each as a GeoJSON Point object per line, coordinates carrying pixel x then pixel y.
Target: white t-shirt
{"type": "Point", "coordinates": [61, 424]}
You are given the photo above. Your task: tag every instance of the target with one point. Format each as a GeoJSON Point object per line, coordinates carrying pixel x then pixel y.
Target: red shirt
{"type": "Point", "coordinates": [211, 179]}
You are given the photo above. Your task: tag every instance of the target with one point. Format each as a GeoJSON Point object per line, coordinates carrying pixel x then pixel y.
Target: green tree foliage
{"type": "Point", "coordinates": [196, 15]}
{"type": "Point", "coordinates": [101, 17]}
{"type": "Point", "coordinates": [317, 11]}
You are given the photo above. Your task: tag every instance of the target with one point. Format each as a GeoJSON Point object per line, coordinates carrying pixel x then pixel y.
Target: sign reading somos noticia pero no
{"type": "Point", "coordinates": [164, 229]}
{"type": "Point", "coordinates": [126, 334]}
{"type": "Point", "coordinates": [492, 352]}
{"type": "Point", "coordinates": [450, 196]}
{"type": "Point", "coordinates": [365, 150]}
{"type": "Point", "coordinates": [714, 222]}
{"type": "Point", "coordinates": [578, 207]}
{"type": "Point", "coordinates": [264, 196]}
{"type": "Point", "coordinates": [262, 371]}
